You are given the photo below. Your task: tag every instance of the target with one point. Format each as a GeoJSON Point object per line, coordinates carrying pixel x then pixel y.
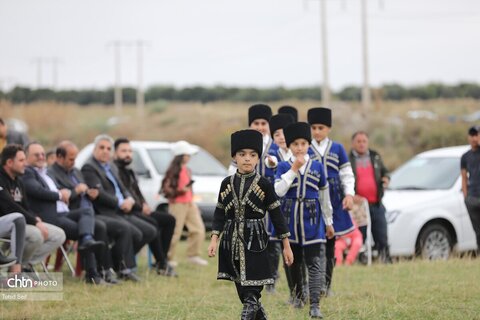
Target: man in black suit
{"type": "Point", "coordinates": [52, 205]}
{"type": "Point", "coordinates": [67, 176]}
{"type": "Point", "coordinates": [113, 198]}
{"type": "Point", "coordinates": [163, 221]}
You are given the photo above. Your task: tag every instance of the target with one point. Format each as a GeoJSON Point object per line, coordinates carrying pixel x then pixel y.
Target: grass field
{"type": "Point", "coordinates": [406, 290]}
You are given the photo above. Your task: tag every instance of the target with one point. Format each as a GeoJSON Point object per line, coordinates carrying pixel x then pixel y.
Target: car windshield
{"type": "Point", "coordinates": [426, 174]}
{"type": "Point", "coordinates": [201, 163]}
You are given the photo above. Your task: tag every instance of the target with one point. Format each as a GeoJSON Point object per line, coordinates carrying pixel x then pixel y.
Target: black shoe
{"type": "Point", "coordinates": [96, 280]}
{"type": "Point", "coordinates": [315, 312]}
{"type": "Point", "coordinates": [129, 275]}
{"type": "Point", "coordinates": [90, 244]}
{"type": "Point", "coordinates": [298, 303]}
{"type": "Point", "coordinates": [7, 261]}
{"type": "Point", "coordinates": [110, 277]}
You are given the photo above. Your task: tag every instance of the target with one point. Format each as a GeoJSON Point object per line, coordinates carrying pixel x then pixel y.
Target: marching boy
{"type": "Point", "coordinates": [306, 204]}
{"type": "Point", "coordinates": [243, 200]}
{"type": "Point", "coordinates": [339, 176]}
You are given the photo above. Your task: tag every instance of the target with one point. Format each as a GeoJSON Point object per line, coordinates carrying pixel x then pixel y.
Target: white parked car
{"type": "Point", "coordinates": [151, 160]}
{"type": "Point", "coordinates": [426, 213]}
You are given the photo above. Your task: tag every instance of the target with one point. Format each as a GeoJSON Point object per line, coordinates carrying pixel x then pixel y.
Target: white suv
{"type": "Point", "coordinates": [150, 161]}
{"type": "Point", "coordinates": [426, 213]}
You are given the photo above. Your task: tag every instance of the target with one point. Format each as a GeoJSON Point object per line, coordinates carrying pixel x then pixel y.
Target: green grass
{"type": "Point", "coordinates": [406, 290]}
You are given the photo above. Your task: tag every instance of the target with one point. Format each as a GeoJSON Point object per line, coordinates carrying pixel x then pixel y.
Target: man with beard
{"type": "Point", "coordinates": [164, 222]}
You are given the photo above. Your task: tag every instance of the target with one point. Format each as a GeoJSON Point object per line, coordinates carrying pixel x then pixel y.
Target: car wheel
{"type": "Point", "coordinates": [435, 242]}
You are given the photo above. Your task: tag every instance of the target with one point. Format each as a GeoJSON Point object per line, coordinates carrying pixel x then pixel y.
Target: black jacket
{"type": "Point", "coordinates": [130, 181]}
{"type": "Point", "coordinates": [379, 169]}
{"type": "Point", "coordinates": [13, 198]}
{"type": "Point", "coordinates": [62, 179]}
{"type": "Point", "coordinates": [95, 177]}
{"type": "Point", "coordinates": [40, 196]}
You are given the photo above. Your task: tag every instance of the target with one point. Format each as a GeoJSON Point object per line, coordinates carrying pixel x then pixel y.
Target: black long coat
{"type": "Point", "coordinates": [239, 219]}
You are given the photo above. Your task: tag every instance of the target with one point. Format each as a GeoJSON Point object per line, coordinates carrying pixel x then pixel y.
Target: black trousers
{"type": "Point", "coordinates": [118, 230]}
{"type": "Point", "coordinates": [314, 258]}
{"type": "Point", "coordinates": [77, 223]}
{"type": "Point", "coordinates": [248, 291]}
{"type": "Point", "coordinates": [165, 225]}
{"type": "Point", "coordinates": [330, 261]}
{"type": "Point", "coordinates": [473, 207]}
{"type": "Point", "coordinates": [142, 231]}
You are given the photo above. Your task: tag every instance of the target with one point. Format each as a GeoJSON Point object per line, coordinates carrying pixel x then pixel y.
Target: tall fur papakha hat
{"type": "Point", "coordinates": [246, 139]}
{"type": "Point", "coordinates": [320, 116]}
{"type": "Point", "coordinates": [289, 110]}
{"type": "Point", "coordinates": [280, 121]}
{"type": "Point", "coordinates": [297, 130]}
{"type": "Point", "coordinates": [259, 111]}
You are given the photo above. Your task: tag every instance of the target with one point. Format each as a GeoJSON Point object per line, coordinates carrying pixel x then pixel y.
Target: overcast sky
{"type": "Point", "coordinates": [240, 43]}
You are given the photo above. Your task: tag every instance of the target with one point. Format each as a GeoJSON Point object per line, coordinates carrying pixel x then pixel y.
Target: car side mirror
{"type": "Point", "coordinates": [144, 174]}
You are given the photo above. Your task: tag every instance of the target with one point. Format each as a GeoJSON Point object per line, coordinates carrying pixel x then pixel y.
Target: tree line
{"type": "Point", "coordinates": [208, 94]}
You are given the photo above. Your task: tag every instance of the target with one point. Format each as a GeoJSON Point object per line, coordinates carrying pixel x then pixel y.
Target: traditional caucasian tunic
{"type": "Point", "coordinates": [340, 178]}
{"type": "Point", "coordinates": [239, 219]}
{"type": "Point", "coordinates": [305, 201]}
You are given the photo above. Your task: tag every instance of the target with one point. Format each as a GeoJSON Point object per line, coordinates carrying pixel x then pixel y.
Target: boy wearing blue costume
{"type": "Point", "coordinates": [301, 183]}
{"type": "Point", "coordinates": [339, 175]}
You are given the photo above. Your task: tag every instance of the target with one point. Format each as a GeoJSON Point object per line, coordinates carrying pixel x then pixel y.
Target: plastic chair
{"type": "Point", "coordinates": [361, 214]}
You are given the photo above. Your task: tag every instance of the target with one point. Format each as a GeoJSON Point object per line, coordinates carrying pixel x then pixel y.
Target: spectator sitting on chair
{"type": "Point", "coordinates": [113, 198]}
{"type": "Point", "coordinates": [8, 136]}
{"type": "Point", "coordinates": [371, 178]}
{"type": "Point", "coordinates": [67, 176]}
{"type": "Point", "coordinates": [51, 203]}
{"type": "Point", "coordinates": [40, 238]}
{"type": "Point", "coordinates": [353, 242]}
{"type": "Point", "coordinates": [12, 226]}
{"type": "Point", "coordinates": [164, 222]}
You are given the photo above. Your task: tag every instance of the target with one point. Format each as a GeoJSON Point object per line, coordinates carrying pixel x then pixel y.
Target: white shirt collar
{"type": "Point", "coordinates": [322, 146]}
{"type": "Point", "coordinates": [286, 154]}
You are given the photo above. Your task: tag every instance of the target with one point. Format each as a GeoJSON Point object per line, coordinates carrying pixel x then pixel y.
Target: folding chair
{"type": "Point", "coordinates": [361, 215]}
{"type": "Point", "coordinates": [62, 255]}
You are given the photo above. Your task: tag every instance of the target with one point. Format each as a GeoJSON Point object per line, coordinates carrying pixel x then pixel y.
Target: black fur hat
{"type": "Point", "coordinates": [246, 139]}
{"type": "Point", "coordinates": [259, 111]}
{"type": "Point", "coordinates": [289, 110]}
{"type": "Point", "coordinates": [280, 121]}
{"type": "Point", "coordinates": [296, 131]}
{"type": "Point", "coordinates": [320, 116]}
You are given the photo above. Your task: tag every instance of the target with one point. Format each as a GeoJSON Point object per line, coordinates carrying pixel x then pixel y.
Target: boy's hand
{"type": "Point", "coordinates": [347, 202]}
{"type": "Point", "coordinates": [288, 256]}
{"type": "Point", "coordinates": [298, 163]}
{"type": "Point", "coordinates": [212, 248]}
{"type": "Point", "coordinates": [330, 232]}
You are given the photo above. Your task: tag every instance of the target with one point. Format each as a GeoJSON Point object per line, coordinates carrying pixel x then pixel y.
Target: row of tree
{"type": "Point", "coordinates": [217, 93]}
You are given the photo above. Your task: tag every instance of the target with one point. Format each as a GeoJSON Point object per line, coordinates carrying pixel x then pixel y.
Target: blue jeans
{"type": "Point", "coordinates": [379, 226]}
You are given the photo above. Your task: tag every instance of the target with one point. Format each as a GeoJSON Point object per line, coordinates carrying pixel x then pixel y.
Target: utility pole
{"type": "Point", "coordinates": [117, 45]}
{"type": "Point", "coordinates": [38, 61]}
{"type": "Point", "coordinates": [55, 62]}
{"type": "Point", "coordinates": [323, 28]}
{"type": "Point", "coordinates": [366, 94]}
{"type": "Point", "coordinates": [140, 94]}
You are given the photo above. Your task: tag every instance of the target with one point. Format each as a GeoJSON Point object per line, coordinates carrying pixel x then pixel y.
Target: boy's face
{"type": "Point", "coordinates": [299, 147]}
{"type": "Point", "coordinates": [319, 131]}
{"type": "Point", "coordinates": [473, 141]}
{"type": "Point", "coordinates": [260, 125]}
{"type": "Point", "coordinates": [279, 139]}
{"type": "Point", "coordinates": [246, 160]}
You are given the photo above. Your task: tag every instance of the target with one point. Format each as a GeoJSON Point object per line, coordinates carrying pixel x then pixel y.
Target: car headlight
{"type": "Point", "coordinates": [392, 215]}
{"type": "Point", "coordinates": [205, 197]}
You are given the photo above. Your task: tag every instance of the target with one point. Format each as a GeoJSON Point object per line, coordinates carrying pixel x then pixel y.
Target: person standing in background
{"type": "Point", "coordinates": [470, 170]}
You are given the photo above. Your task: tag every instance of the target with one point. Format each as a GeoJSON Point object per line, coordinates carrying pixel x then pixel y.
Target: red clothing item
{"type": "Point", "coordinates": [366, 184]}
{"type": "Point", "coordinates": [183, 179]}
{"type": "Point", "coordinates": [352, 241]}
